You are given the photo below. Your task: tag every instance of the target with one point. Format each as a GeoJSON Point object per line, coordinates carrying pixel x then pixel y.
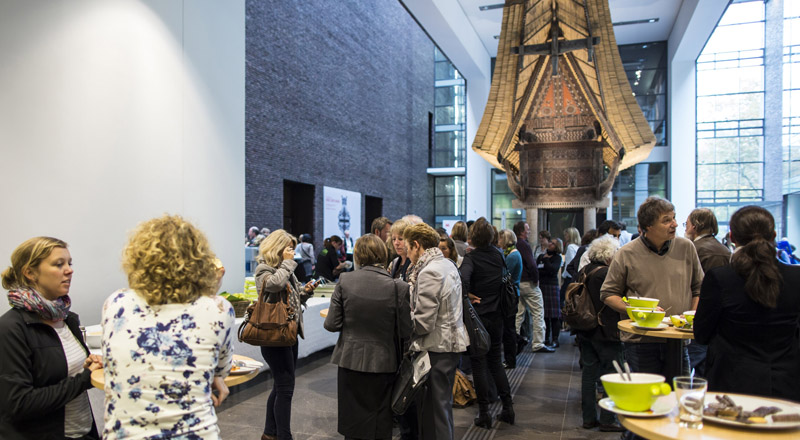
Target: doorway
{"type": "Point", "coordinates": [559, 220]}
{"type": "Point", "coordinates": [373, 208]}
{"type": "Point", "coordinates": [298, 208]}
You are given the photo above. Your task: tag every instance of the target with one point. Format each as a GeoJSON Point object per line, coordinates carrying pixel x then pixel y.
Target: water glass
{"type": "Point", "coordinates": [690, 393]}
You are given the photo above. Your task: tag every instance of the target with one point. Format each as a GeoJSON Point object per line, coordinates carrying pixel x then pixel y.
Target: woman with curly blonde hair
{"type": "Point", "coordinates": [275, 280]}
{"type": "Point", "coordinates": [167, 339]}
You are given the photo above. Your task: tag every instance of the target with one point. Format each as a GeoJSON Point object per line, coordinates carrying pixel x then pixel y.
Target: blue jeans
{"type": "Point", "coordinates": [697, 358]}
{"type": "Point", "coordinates": [282, 362]}
{"type": "Point", "coordinates": [596, 358]}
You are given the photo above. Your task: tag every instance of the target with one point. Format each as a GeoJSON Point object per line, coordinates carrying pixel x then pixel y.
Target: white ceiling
{"type": "Point", "coordinates": [487, 23]}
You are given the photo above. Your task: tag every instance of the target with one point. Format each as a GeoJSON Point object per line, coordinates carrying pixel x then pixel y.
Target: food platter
{"type": "Point", "coordinates": [662, 406]}
{"type": "Point", "coordinates": [245, 366]}
{"type": "Point", "coordinates": [750, 403]}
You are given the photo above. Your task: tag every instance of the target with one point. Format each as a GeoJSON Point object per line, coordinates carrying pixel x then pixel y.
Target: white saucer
{"type": "Point", "coordinates": [660, 327]}
{"type": "Point", "coordinates": [662, 406]}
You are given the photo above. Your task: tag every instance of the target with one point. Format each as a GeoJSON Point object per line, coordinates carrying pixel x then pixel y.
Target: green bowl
{"type": "Point", "coordinates": [645, 303]}
{"type": "Point", "coordinates": [689, 315]}
{"type": "Point", "coordinates": [630, 310]}
{"type": "Point", "coordinates": [637, 395]}
{"type": "Point", "coordinates": [647, 317]}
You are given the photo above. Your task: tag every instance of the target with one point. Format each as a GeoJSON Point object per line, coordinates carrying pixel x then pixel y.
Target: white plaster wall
{"type": "Point", "coordinates": [116, 112]}
{"type": "Point", "coordinates": [695, 22]}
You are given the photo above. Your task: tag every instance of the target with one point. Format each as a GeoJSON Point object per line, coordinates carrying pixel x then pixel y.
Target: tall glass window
{"type": "Point", "coordinates": [633, 185]}
{"type": "Point", "coordinates": [503, 214]}
{"type": "Point", "coordinates": [448, 149]}
{"type": "Point", "coordinates": [730, 111]}
{"type": "Point", "coordinates": [791, 96]}
{"type": "Point", "coordinates": [646, 68]}
{"type": "Point", "coordinates": [449, 144]}
{"type": "Point", "coordinates": [449, 197]}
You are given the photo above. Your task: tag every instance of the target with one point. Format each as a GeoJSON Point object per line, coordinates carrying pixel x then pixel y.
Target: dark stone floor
{"type": "Point", "coordinates": [546, 400]}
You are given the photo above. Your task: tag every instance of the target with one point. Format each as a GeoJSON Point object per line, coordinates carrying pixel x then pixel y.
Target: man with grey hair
{"type": "Point", "coordinates": [701, 228]}
{"type": "Point", "coordinates": [656, 265]}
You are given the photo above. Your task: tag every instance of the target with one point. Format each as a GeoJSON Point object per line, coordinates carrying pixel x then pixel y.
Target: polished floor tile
{"type": "Point", "coordinates": [547, 402]}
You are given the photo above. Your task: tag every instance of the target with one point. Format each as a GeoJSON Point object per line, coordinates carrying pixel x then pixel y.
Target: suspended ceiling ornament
{"type": "Point", "coordinates": [561, 119]}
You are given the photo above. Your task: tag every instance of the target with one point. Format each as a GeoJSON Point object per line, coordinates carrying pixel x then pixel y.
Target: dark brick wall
{"type": "Point", "coordinates": [337, 94]}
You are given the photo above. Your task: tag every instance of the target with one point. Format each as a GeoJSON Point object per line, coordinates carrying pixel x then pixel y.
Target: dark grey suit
{"type": "Point", "coordinates": [364, 306]}
{"type": "Point", "coordinates": [363, 310]}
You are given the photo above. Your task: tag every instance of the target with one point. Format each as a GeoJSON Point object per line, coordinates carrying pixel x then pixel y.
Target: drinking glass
{"type": "Point", "coordinates": [691, 394]}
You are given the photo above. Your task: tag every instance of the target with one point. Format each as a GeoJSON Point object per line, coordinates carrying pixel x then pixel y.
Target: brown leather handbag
{"type": "Point", "coordinates": [269, 324]}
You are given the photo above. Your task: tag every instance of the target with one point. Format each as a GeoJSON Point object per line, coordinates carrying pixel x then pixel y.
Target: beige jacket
{"type": "Point", "coordinates": [436, 310]}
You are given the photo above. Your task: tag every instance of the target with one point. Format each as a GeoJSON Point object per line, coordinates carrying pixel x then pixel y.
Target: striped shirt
{"type": "Point", "coordinates": [77, 413]}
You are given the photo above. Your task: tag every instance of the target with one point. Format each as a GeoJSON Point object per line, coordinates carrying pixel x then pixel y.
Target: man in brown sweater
{"type": "Point", "coordinates": [656, 265]}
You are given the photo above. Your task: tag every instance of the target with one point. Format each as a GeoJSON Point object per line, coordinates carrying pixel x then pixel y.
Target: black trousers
{"type": "Point", "coordinates": [282, 362]}
{"type": "Point", "coordinates": [435, 405]}
{"type": "Point", "coordinates": [491, 364]}
{"type": "Point", "coordinates": [510, 340]}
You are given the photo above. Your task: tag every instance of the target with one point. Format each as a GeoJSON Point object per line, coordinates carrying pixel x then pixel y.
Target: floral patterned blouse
{"type": "Point", "coordinates": [159, 362]}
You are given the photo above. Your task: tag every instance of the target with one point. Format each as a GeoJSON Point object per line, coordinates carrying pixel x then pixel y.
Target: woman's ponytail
{"type": "Point", "coordinates": [753, 230]}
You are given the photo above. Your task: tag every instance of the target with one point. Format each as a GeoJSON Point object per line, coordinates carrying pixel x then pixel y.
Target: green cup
{"type": "Point", "coordinates": [637, 395]}
{"type": "Point", "coordinates": [645, 303]}
{"type": "Point", "coordinates": [647, 317]}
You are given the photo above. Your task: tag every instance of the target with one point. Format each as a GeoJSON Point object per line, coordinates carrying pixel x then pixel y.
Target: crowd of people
{"type": "Point", "coordinates": [168, 338]}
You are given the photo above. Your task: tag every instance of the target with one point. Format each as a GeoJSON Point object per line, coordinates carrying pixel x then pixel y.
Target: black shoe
{"type": "Point", "coordinates": [509, 366]}
{"type": "Point", "coordinates": [590, 425]}
{"type": "Point", "coordinates": [521, 343]}
{"type": "Point", "coordinates": [545, 349]}
{"type": "Point", "coordinates": [556, 345]}
{"type": "Point", "coordinates": [613, 427]}
{"type": "Point", "coordinates": [507, 415]}
{"type": "Point", "coordinates": [484, 420]}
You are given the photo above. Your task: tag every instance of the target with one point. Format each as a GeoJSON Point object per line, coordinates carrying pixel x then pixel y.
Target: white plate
{"type": "Point", "coordinates": [243, 370]}
{"type": "Point", "coordinates": [687, 330]}
{"type": "Point", "coordinates": [660, 327]}
{"type": "Point", "coordinates": [749, 403]}
{"type": "Point", "coordinates": [662, 406]}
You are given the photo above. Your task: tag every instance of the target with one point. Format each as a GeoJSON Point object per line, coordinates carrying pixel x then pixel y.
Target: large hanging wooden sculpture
{"type": "Point", "coordinates": [561, 118]}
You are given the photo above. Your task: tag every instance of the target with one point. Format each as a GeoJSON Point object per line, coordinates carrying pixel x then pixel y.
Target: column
{"type": "Point", "coordinates": [773, 102]}
{"type": "Point", "coordinates": [532, 218]}
{"type": "Point", "coordinates": [589, 219]}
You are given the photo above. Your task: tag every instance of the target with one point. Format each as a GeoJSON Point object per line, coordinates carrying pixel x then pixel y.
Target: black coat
{"type": "Point", "coordinates": [751, 349]}
{"type": "Point", "coordinates": [482, 275]}
{"type": "Point", "coordinates": [34, 384]}
{"type": "Point", "coordinates": [608, 331]}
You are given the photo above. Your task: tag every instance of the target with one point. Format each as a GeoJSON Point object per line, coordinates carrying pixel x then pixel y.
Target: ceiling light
{"type": "Point", "coordinates": [490, 7]}
{"type": "Point", "coordinates": [646, 20]}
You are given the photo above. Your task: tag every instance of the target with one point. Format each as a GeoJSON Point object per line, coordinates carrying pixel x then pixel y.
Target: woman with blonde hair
{"type": "Point", "coordinates": [275, 280]}
{"type": "Point", "coordinates": [167, 339]}
{"type": "Point", "coordinates": [368, 307]}
{"type": "Point", "coordinates": [399, 265]}
{"type": "Point", "coordinates": [459, 236]}
{"type": "Point", "coordinates": [45, 368]}
{"type": "Point", "coordinates": [438, 327]}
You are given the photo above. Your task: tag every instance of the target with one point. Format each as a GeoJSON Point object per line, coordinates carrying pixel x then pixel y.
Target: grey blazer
{"type": "Point", "coordinates": [363, 309]}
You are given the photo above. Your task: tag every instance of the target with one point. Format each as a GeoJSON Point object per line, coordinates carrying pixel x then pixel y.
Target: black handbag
{"type": "Point", "coordinates": [406, 386]}
{"type": "Point", "coordinates": [478, 336]}
{"type": "Point", "coordinates": [509, 301]}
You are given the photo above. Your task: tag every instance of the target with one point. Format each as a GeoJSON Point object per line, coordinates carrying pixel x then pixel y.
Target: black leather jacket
{"type": "Point", "coordinates": [34, 386]}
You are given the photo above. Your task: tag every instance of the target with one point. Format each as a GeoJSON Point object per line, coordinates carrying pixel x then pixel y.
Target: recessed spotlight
{"type": "Point", "coordinates": [644, 21]}
{"type": "Point", "coordinates": [490, 7]}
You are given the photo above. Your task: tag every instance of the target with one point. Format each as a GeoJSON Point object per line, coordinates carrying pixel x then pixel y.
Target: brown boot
{"type": "Point", "coordinates": [268, 437]}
